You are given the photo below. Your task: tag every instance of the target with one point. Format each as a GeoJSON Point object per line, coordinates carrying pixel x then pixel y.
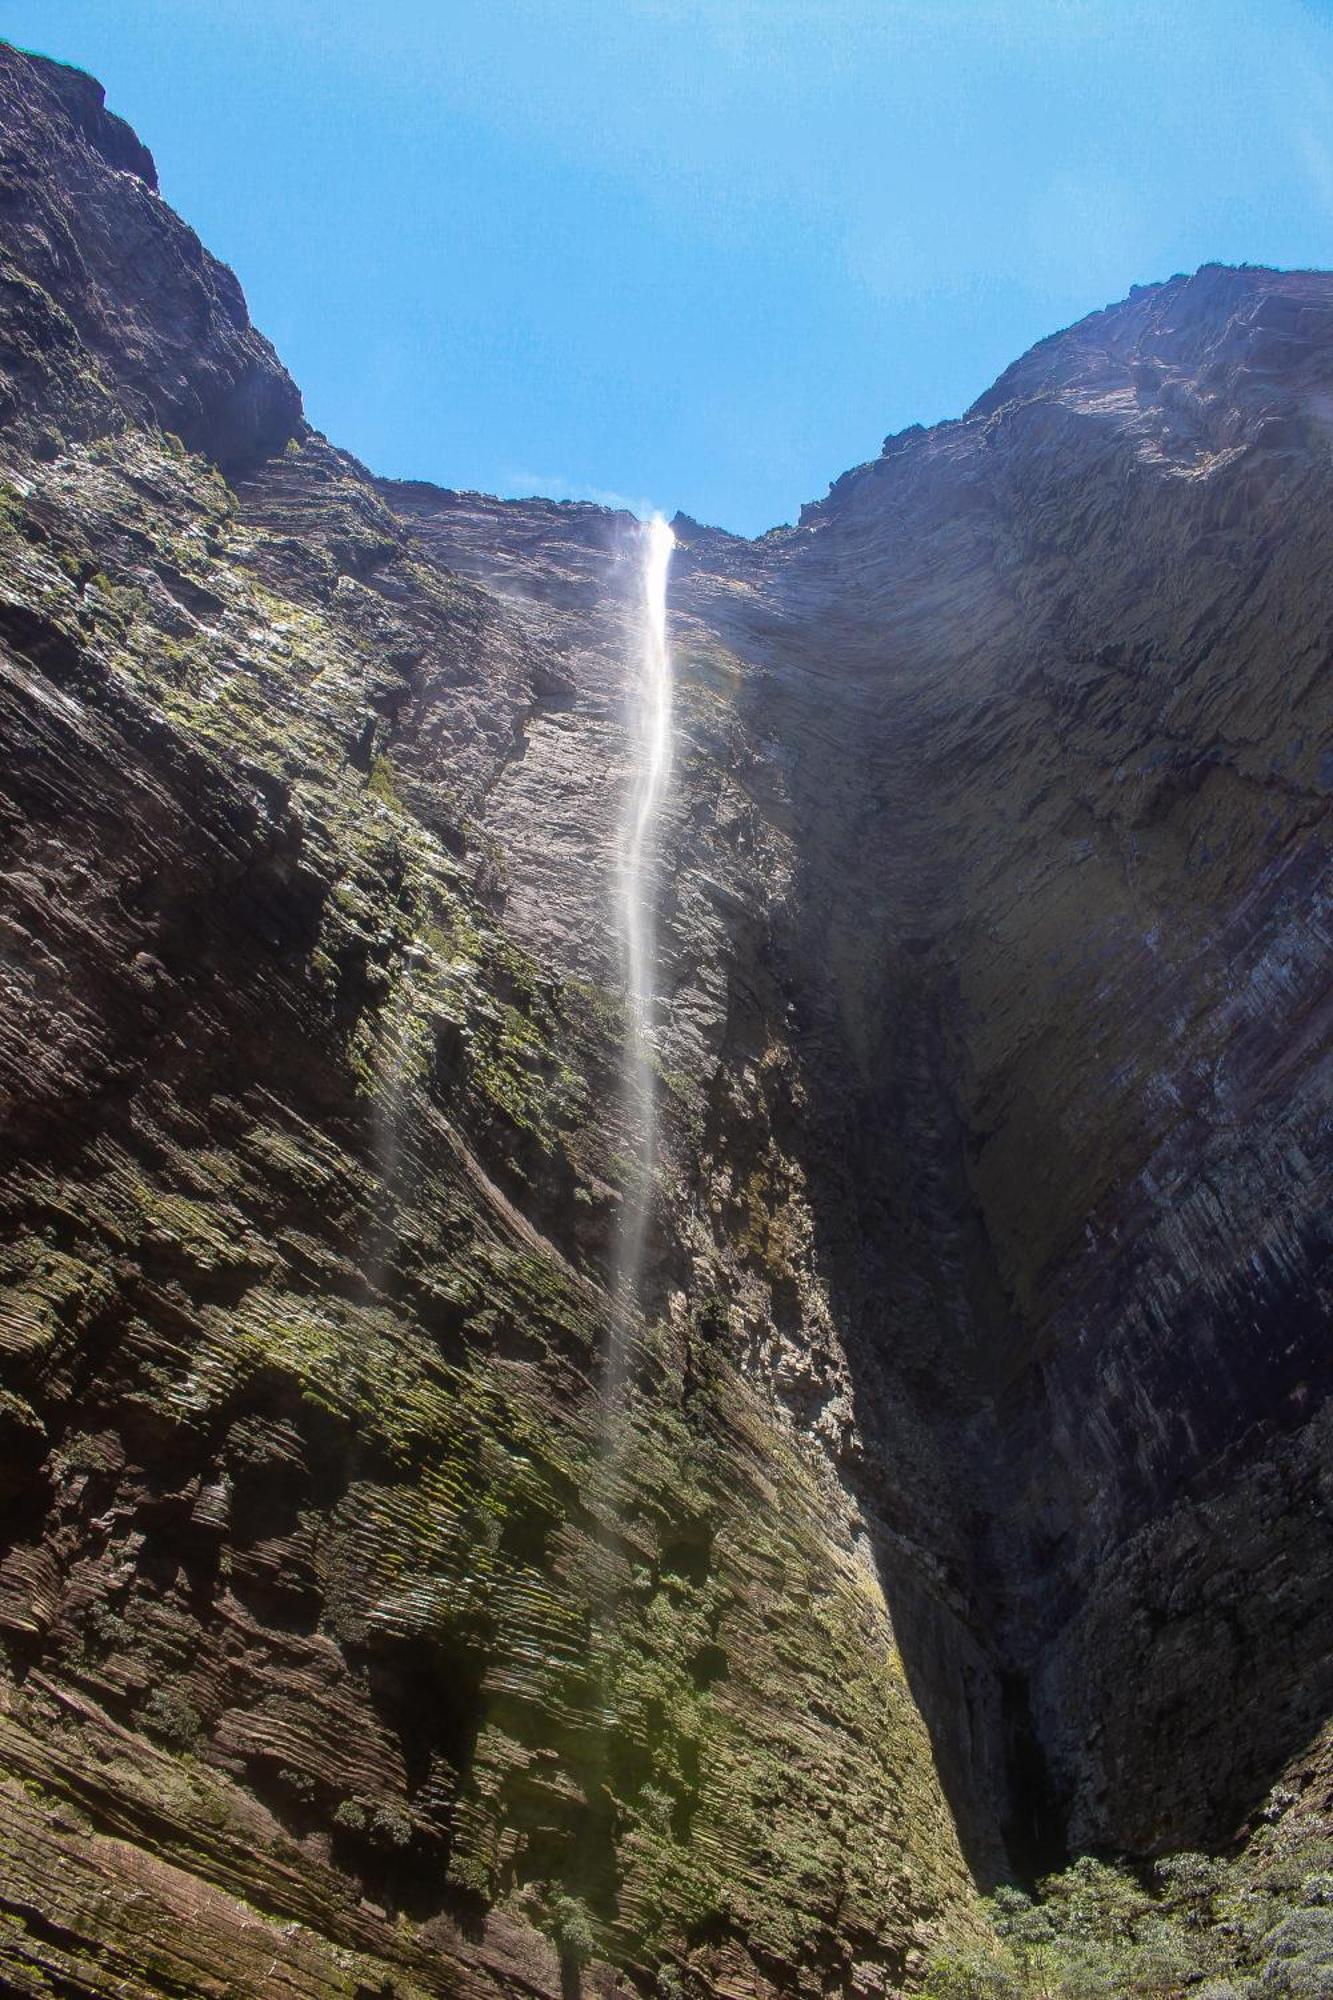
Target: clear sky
{"type": "Point", "coordinates": [701, 253]}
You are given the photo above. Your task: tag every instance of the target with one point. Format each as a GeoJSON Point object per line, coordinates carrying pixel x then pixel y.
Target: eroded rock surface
{"type": "Point", "coordinates": [971, 1497]}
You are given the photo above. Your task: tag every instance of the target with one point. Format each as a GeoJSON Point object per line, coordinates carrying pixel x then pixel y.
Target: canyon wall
{"type": "Point", "coordinates": [972, 1506]}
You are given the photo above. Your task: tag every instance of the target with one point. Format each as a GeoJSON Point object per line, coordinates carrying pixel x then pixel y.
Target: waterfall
{"type": "Point", "coordinates": [650, 748]}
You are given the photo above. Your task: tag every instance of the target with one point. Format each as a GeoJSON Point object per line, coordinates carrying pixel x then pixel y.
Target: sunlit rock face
{"type": "Point", "coordinates": [976, 1500]}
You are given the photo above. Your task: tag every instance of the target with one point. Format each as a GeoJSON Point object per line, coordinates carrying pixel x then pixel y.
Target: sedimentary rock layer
{"type": "Point", "coordinates": [971, 1495]}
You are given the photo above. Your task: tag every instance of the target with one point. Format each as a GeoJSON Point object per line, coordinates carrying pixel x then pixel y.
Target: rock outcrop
{"type": "Point", "coordinates": [113, 310]}
{"type": "Point", "coordinates": [971, 1501]}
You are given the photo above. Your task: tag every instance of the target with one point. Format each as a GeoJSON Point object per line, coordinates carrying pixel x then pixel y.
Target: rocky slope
{"type": "Point", "coordinates": [971, 1497]}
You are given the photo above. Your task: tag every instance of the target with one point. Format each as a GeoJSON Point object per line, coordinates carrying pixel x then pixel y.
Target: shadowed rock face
{"type": "Point", "coordinates": [975, 1502]}
{"type": "Point", "coordinates": [1087, 904]}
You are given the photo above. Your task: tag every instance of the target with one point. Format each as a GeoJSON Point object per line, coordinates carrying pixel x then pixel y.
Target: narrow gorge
{"type": "Point", "coordinates": [931, 1161]}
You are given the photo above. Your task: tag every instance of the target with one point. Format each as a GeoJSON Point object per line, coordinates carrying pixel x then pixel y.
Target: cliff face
{"type": "Point", "coordinates": [1068, 781]}
{"type": "Point", "coordinates": [971, 1498]}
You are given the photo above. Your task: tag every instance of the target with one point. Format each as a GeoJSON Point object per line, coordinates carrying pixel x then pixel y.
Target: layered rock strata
{"type": "Point", "coordinates": [973, 1501]}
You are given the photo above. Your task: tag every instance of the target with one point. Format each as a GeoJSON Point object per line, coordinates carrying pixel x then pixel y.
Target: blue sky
{"type": "Point", "coordinates": [701, 253]}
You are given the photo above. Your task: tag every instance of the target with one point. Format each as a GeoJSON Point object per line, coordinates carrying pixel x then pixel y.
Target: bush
{"type": "Point", "coordinates": [973, 1975]}
{"type": "Point", "coordinates": [378, 1823]}
{"type": "Point", "coordinates": [1191, 1928]}
{"type": "Point", "coordinates": [1189, 1886]}
{"type": "Point", "coordinates": [571, 1927]}
{"type": "Point", "coordinates": [172, 1717]}
{"type": "Point", "coordinates": [1304, 1934]}
{"type": "Point", "coordinates": [1295, 1979]}
{"type": "Point", "coordinates": [1299, 1951]}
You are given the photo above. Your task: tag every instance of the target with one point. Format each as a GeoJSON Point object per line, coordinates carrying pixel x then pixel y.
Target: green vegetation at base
{"type": "Point", "coordinates": [1259, 1927]}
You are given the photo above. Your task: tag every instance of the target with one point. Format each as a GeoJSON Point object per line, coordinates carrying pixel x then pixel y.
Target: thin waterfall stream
{"type": "Point", "coordinates": [650, 748]}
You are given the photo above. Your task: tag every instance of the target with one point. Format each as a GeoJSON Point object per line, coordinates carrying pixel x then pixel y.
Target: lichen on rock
{"type": "Point", "coordinates": [968, 1497]}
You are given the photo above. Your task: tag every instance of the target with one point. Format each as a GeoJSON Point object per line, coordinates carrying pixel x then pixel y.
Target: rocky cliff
{"type": "Point", "coordinates": [971, 1504]}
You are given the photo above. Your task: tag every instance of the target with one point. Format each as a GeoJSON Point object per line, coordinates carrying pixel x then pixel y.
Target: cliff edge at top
{"type": "Point", "coordinates": [112, 303]}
